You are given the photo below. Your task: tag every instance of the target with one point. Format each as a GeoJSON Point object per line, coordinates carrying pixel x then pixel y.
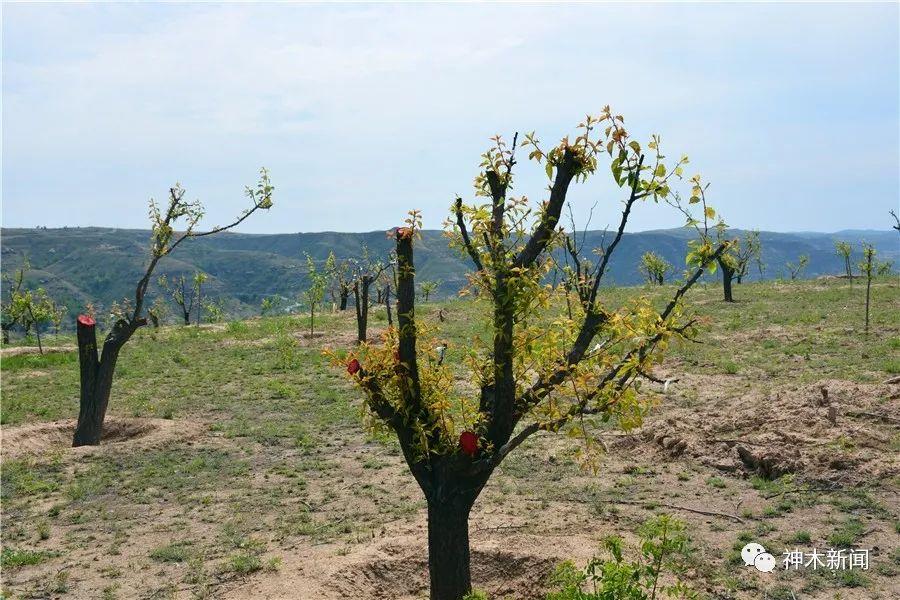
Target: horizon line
{"type": "Point", "coordinates": [327, 231]}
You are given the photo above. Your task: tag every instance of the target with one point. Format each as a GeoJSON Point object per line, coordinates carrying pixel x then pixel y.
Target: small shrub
{"type": "Point", "coordinates": [664, 547]}
{"type": "Point", "coordinates": [286, 349]}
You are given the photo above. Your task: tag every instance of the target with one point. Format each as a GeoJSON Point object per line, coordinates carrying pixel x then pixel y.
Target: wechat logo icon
{"type": "Point", "coordinates": [754, 555]}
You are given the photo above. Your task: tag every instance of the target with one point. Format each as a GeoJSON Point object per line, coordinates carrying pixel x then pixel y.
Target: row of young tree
{"type": "Point", "coordinates": [33, 310]}
{"type": "Point", "coordinates": [735, 263]}
{"type": "Point", "coordinates": [343, 278]}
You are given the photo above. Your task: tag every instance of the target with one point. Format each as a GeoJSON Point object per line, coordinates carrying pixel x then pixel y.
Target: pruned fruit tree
{"type": "Point", "coordinates": [539, 370]}
{"type": "Point", "coordinates": [98, 364]}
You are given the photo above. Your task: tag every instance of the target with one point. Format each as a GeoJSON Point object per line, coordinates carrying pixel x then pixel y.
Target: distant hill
{"type": "Point", "coordinates": [102, 265]}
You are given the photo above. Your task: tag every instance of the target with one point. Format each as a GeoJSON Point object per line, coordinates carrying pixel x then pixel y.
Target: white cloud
{"type": "Point", "coordinates": [365, 111]}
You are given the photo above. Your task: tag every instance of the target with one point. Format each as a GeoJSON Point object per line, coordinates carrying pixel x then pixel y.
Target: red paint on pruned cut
{"type": "Point", "coordinates": [87, 320]}
{"type": "Point", "coordinates": [468, 443]}
{"type": "Point", "coordinates": [353, 367]}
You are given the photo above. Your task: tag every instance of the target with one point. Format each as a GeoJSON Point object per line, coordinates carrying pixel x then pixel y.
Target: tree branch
{"type": "Point", "coordinates": [566, 170]}
{"type": "Point", "coordinates": [406, 299]}
{"type": "Point", "coordinates": [465, 235]}
{"type": "Point", "coordinates": [625, 213]}
{"type": "Point", "coordinates": [593, 322]}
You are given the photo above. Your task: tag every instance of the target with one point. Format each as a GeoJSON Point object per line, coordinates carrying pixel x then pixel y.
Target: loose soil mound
{"type": "Point", "coordinates": [804, 430]}
{"type": "Point", "coordinates": [56, 436]}
{"type": "Point", "coordinates": [500, 574]}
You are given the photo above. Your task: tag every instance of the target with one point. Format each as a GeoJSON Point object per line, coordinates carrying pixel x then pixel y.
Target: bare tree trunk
{"type": "Point", "coordinates": [868, 290]}
{"type": "Point", "coordinates": [727, 276]}
{"type": "Point", "coordinates": [187, 315]}
{"type": "Point", "coordinates": [361, 295]}
{"type": "Point", "coordinates": [6, 328]}
{"type": "Point", "coordinates": [199, 303]}
{"type": "Point", "coordinates": [387, 304]}
{"type": "Point", "coordinates": [96, 377]}
{"type": "Point", "coordinates": [37, 330]}
{"type": "Point", "coordinates": [345, 292]}
{"type": "Point", "coordinates": [448, 550]}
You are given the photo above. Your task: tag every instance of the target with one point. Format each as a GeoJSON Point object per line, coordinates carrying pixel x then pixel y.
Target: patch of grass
{"type": "Point", "coordinates": [243, 563]}
{"type": "Point", "coordinates": [273, 565]}
{"type": "Point", "coordinates": [730, 367]}
{"type": "Point", "coordinates": [847, 533]}
{"type": "Point", "coordinates": [28, 478]}
{"type": "Point", "coordinates": [57, 583]}
{"type": "Point", "coordinates": [781, 485]}
{"type": "Point", "coordinates": [237, 327]}
{"type": "Point", "coordinates": [716, 482]}
{"type": "Point", "coordinates": [852, 579]}
{"type": "Point", "coordinates": [10, 558]}
{"type": "Point", "coordinates": [42, 528]}
{"type": "Point", "coordinates": [39, 361]}
{"type": "Point", "coordinates": [800, 537]}
{"type": "Point", "coordinates": [176, 552]}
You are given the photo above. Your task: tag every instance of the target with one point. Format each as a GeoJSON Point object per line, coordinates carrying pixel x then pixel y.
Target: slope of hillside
{"type": "Point", "coordinates": [101, 265]}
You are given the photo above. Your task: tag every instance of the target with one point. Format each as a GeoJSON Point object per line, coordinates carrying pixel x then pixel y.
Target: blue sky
{"type": "Point", "coordinates": [362, 112]}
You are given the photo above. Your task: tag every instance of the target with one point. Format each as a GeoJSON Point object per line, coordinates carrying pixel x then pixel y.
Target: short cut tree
{"type": "Point", "coordinates": [539, 370]}
{"type": "Point", "coordinates": [98, 364]}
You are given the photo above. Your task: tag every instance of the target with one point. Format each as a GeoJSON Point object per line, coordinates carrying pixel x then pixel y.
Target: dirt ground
{"type": "Point", "coordinates": [725, 429]}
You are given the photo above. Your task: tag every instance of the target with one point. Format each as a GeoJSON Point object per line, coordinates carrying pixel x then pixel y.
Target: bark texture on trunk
{"type": "Point", "coordinates": [345, 293]}
{"type": "Point", "coordinates": [96, 378]}
{"type": "Point", "coordinates": [387, 305]}
{"type": "Point", "coordinates": [361, 295]}
{"type": "Point", "coordinates": [727, 277]}
{"type": "Point", "coordinates": [448, 550]}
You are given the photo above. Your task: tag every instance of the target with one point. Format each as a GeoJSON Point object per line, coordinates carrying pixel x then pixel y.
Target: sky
{"type": "Point", "coordinates": [362, 112]}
